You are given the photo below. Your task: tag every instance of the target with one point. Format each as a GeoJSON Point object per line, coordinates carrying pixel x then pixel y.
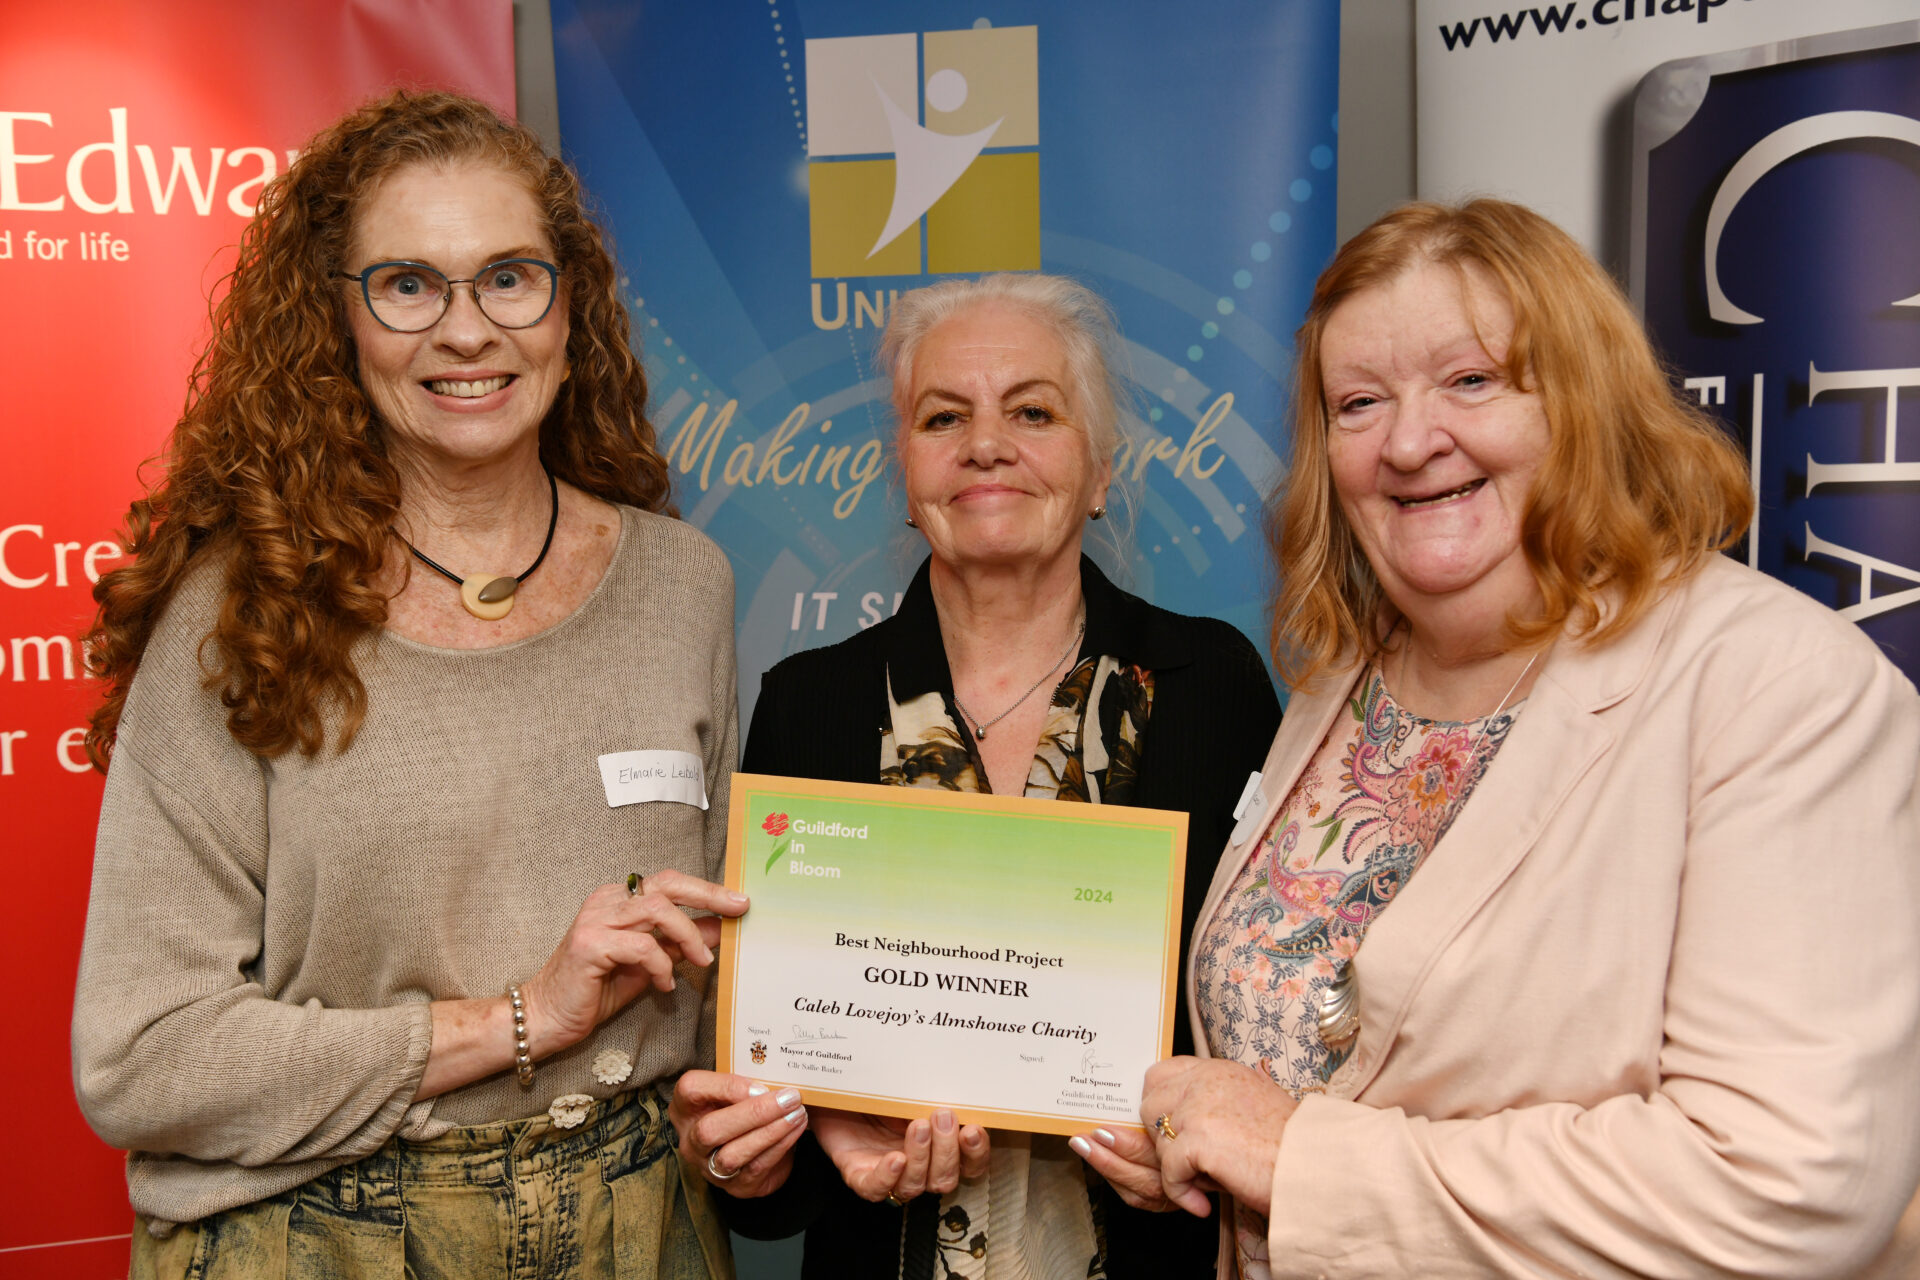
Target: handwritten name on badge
{"type": "Point", "coordinates": [634, 777]}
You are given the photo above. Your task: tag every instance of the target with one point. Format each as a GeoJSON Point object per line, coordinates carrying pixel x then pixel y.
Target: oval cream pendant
{"type": "Point", "coordinates": [486, 597]}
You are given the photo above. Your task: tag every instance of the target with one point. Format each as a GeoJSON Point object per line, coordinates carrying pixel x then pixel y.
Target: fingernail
{"type": "Point", "coordinates": [922, 1133]}
{"type": "Point", "coordinates": [943, 1121]}
{"type": "Point", "coordinates": [786, 1097]}
{"type": "Point", "coordinates": [737, 898]}
{"type": "Point", "coordinates": [755, 1089]}
{"type": "Point", "coordinates": [1105, 1136]}
{"type": "Point", "coordinates": [1080, 1145]}
{"type": "Point", "coordinates": [796, 1115]}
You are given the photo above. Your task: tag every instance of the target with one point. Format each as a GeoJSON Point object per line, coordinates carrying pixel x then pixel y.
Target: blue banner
{"type": "Point", "coordinates": [1777, 194]}
{"type": "Point", "coordinates": [776, 172]}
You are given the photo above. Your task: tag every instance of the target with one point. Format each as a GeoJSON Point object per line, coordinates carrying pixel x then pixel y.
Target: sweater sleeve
{"type": "Point", "coordinates": [176, 1047]}
{"type": "Point", "coordinates": [1778, 1142]}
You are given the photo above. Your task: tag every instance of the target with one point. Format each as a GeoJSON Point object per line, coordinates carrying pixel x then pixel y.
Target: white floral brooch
{"type": "Point", "coordinates": [612, 1066]}
{"type": "Point", "coordinates": [569, 1110]}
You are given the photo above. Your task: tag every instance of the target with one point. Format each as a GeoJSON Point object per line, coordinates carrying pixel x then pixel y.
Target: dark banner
{"type": "Point", "coordinates": [1776, 196]}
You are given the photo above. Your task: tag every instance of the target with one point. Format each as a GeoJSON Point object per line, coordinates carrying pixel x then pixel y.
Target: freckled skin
{"type": "Point", "coordinates": [457, 219]}
{"type": "Point", "coordinates": [473, 495]}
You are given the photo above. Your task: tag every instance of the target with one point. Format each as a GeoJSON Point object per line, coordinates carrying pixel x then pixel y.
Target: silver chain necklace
{"type": "Point", "coordinates": [980, 729]}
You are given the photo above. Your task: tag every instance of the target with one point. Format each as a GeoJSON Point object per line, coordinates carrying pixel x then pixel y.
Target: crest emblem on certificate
{"type": "Point", "coordinates": [759, 1052]}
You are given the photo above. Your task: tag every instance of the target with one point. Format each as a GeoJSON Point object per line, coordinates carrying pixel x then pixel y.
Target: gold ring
{"type": "Point", "coordinates": [1164, 1126]}
{"type": "Point", "coordinates": [896, 1201]}
{"type": "Point", "coordinates": [636, 883]}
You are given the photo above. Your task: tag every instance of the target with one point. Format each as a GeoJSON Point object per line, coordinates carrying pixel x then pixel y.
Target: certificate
{"type": "Point", "coordinates": [907, 949]}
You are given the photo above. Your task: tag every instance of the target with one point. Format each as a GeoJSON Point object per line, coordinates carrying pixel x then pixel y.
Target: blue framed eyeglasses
{"type": "Point", "coordinates": [410, 297]}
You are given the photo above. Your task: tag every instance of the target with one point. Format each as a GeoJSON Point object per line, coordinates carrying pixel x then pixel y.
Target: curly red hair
{"type": "Point", "coordinates": [1639, 486]}
{"type": "Point", "coordinates": [278, 467]}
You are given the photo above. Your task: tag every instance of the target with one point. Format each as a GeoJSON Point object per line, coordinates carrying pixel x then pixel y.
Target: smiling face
{"type": "Point", "coordinates": [465, 390]}
{"type": "Point", "coordinates": [1433, 451]}
{"type": "Point", "coordinates": [997, 461]}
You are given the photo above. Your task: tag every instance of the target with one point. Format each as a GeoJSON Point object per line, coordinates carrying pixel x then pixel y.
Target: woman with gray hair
{"type": "Point", "coordinates": [1007, 397]}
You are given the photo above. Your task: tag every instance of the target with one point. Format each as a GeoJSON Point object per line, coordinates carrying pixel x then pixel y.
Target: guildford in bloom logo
{"type": "Point", "coordinates": [775, 825]}
{"type": "Point", "coordinates": [940, 129]}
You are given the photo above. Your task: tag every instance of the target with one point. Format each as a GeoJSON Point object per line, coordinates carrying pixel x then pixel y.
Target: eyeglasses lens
{"type": "Point", "coordinates": [410, 297]}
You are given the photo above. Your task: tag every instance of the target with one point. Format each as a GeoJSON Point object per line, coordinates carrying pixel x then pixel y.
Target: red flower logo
{"type": "Point", "coordinates": [776, 824]}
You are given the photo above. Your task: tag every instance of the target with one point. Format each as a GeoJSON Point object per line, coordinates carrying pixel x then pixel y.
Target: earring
{"type": "Point", "coordinates": [912, 523]}
{"type": "Point", "coordinates": [1097, 513]}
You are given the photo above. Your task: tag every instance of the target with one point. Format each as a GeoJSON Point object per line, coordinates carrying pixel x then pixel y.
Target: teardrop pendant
{"type": "Point", "coordinates": [1339, 1019]}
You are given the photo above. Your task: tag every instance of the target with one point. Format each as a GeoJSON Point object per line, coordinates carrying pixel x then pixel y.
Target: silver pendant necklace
{"type": "Point", "coordinates": [1339, 1017]}
{"type": "Point", "coordinates": [980, 729]}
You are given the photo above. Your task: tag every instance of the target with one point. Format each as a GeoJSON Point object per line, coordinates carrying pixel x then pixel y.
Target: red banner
{"type": "Point", "coordinates": [135, 139]}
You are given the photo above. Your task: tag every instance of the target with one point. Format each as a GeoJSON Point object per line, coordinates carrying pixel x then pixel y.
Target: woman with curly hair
{"type": "Point", "coordinates": [412, 676]}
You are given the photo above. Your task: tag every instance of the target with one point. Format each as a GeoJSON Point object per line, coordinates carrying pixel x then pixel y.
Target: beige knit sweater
{"type": "Point", "coordinates": [264, 935]}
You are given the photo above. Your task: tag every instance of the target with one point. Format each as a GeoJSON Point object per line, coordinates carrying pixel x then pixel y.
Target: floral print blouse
{"type": "Point", "coordinates": [1032, 1214]}
{"type": "Point", "coordinates": [1378, 795]}
{"type": "Point", "coordinates": [1089, 746]}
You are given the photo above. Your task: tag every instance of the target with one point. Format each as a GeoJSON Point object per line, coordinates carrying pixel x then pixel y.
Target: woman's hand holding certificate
{"type": "Point", "coordinates": [887, 1158]}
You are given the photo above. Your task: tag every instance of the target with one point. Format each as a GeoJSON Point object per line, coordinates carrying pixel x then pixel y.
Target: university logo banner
{"type": "Point", "coordinates": [776, 174]}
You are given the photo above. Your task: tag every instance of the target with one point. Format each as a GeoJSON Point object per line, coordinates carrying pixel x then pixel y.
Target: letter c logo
{"type": "Point", "coordinates": [1780, 145]}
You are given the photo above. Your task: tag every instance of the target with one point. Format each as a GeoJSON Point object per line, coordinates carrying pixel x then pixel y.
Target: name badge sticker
{"type": "Point", "coordinates": [1253, 802]}
{"type": "Point", "coordinates": [635, 777]}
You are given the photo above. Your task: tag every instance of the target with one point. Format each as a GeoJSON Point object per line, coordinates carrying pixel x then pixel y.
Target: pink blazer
{"type": "Point", "coordinates": [1652, 1006]}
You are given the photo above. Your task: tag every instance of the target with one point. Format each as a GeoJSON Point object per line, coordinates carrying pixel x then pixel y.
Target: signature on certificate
{"type": "Point", "coordinates": [802, 1035]}
{"type": "Point", "coordinates": [1089, 1063]}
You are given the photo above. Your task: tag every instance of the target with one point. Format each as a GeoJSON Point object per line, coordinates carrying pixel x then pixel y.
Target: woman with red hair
{"type": "Point", "coordinates": [1577, 931]}
{"type": "Point", "coordinates": [362, 990]}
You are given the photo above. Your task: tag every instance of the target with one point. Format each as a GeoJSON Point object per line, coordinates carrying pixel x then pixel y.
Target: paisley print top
{"type": "Point", "coordinates": [1378, 795]}
{"type": "Point", "coordinates": [1075, 760]}
{"type": "Point", "coordinates": [1031, 1214]}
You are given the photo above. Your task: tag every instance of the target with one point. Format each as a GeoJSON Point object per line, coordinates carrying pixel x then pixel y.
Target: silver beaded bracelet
{"type": "Point", "coordinates": [522, 1060]}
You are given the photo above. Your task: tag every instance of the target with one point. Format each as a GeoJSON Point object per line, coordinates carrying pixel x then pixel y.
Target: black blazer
{"type": "Point", "coordinates": [1214, 714]}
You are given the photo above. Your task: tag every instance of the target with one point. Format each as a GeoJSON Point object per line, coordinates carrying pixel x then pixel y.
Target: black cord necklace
{"type": "Point", "coordinates": [488, 596]}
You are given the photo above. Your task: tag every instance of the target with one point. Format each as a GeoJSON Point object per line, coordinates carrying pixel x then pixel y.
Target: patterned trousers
{"type": "Point", "coordinates": [519, 1201]}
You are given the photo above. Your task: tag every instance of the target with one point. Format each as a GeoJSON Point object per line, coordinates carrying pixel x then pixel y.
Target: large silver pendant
{"type": "Point", "coordinates": [1339, 1019]}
